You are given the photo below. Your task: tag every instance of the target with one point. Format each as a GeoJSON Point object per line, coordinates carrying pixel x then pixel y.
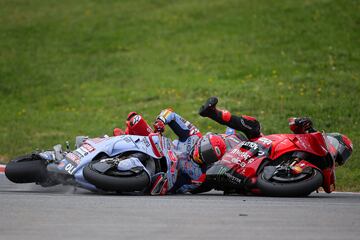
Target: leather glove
{"type": "Point", "coordinates": [159, 126]}
{"type": "Point", "coordinates": [301, 125]}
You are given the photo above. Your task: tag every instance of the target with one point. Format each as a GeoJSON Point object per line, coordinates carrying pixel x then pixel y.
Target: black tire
{"type": "Point", "coordinates": [131, 183]}
{"type": "Point", "coordinates": [26, 169]}
{"type": "Point", "coordinates": [290, 189]}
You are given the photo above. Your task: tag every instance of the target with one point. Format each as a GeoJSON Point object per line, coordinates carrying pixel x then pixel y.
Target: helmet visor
{"type": "Point", "coordinates": [196, 155]}
{"type": "Point", "coordinates": [207, 153]}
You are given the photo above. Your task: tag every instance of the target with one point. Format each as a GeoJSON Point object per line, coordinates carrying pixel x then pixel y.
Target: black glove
{"type": "Point", "coordinates": [304, 122]}
{"type": "Point", "coordinates": [301, 125]}
{"type": "Point", "coordinates": [208, 107]}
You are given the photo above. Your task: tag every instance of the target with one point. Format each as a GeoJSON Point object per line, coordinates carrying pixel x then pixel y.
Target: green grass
{"type": "Point", "coordinates": [69, 68]}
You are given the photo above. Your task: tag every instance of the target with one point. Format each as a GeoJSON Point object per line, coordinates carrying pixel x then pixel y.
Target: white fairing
{"type": "Point", "coordinates": [129, 163]}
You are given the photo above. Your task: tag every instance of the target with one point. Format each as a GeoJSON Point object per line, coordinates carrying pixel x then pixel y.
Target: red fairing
{"type": "Point", "coordinates": [282, 143]}
{"type": "Point", "coordinates": [136, 125]}
{"type": "Point", "coordinates": [251, 168]}
{"type": "Point", "coordinates": [242, 162]}
{"type": "Point", "coordinates": [329, 180]}
{"type": "Point", "coordinates": [156, 146]}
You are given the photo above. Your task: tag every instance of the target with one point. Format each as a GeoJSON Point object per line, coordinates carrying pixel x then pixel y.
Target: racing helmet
{"type": "Point", "coordinates": [209, 149]}
{"type": "Point", "coordinates": [344, 148]}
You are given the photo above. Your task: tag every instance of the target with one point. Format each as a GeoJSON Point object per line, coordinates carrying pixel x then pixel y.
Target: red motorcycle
{"type": "Point", "coordinates": [280, 165]}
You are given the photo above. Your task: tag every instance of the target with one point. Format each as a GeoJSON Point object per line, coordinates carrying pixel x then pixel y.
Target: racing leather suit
{"type": "Point", "coordinates": [190, 174]}
{"type": "Point", "coordinates": [246, 124]}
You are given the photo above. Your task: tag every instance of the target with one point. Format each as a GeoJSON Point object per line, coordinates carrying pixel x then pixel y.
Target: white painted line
{"type": "Point", "coordinates": [347, 192]}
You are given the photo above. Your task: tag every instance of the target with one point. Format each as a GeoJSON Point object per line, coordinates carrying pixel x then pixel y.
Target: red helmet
{"type": "Point", "coordinates": [209, 149]}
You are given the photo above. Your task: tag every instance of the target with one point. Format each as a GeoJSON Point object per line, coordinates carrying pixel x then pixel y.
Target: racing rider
{"type": "Point", "coordinates": [195, 152]}
{"type": "Point", "coordinates": [251, 127]}
{"type": "Point", "coordinates": [246, 124]}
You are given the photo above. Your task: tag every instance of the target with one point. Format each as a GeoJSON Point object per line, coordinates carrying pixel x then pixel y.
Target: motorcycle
{"type": "Point", "coordinates": [281, 165]}
{"type": "Point", "coordinates": [126, 163]}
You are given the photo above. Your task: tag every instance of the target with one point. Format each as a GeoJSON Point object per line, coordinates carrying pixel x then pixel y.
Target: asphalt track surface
{"type": "Point", "coordinates": [62, 212]}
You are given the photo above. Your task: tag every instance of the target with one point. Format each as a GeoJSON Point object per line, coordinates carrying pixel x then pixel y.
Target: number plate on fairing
{"type": "Point", "coordinates": [74, 157]}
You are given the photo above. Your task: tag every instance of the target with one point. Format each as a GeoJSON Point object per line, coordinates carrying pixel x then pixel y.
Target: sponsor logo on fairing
{"type": "Point", "coordinates": [87, 147]}
{"type": "Point", "coordinates": [265, 141]}
{"type": "Point", "coordinates": [233, 179]}
{"type": "Point", "coordinates": [240, 154]}
{"type": "Point", "coordinates": [146, 142]}
{"type": "Point", "coordinates": [250, 145]}
{"type": "Point", "coordinates": [71, 156]}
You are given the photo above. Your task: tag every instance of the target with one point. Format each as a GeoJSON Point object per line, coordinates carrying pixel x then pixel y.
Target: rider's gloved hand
{"type": "Point", "coordinates": [301, 125]}
{"type": "Point", "coordinates": [159, 126]}
{"type": "Point", "coordinates": [208, 107]}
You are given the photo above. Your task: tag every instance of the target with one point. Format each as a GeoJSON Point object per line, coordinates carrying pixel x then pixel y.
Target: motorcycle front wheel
{"type": "Point", "coordinates": [290, 185]}
{"type": "Point", "coordinates": [116, 181]}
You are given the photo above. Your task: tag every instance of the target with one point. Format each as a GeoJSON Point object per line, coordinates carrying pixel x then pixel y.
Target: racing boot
{"type": "Point", "coordinates": [209, 110]}
{"type": "Point", "coordinates": [246, 124]}
{"type": "Point", "coordinates": [209, 107]}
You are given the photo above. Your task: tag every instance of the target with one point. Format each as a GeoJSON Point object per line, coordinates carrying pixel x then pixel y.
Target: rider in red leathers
{"type": "Point", "coordinates": [246, 124]}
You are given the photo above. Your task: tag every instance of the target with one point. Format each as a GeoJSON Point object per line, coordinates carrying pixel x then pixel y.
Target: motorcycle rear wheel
{"type": "Point", "coordinates": [26, 169]}
{"type": "Point", "coordinates": [282, 188]}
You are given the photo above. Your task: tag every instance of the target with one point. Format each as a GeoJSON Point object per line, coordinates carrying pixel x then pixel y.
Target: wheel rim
{"type": "Point", "coordinates": [289, 178]}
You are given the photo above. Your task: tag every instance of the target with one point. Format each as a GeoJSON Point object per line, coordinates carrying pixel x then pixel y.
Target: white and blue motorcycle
{"type": "Point", "coordinates": [126, 163]}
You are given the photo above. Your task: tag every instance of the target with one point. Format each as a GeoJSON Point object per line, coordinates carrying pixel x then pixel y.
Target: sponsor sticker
{"type": "Point", "coordinates": [265, 141]}
{"type": "Point", "coordinates": [72, 157]}
{"type": "Point", "coordinates": [87, 147]}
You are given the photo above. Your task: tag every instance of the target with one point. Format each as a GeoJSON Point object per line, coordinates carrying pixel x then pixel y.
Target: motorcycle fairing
{"type": "Point", "coordinates": [239, 163]}
{"type": "Point", "coordinates": [246, 157]}
{"type": "Point", "coordinates": [75, 161]}
{"type": "Point", "coordinates": [312, 143]}
{"type": "Point", "coordinates": [329, 180]}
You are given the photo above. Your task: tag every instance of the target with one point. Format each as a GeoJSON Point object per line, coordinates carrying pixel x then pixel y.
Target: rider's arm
{"type": "Point", "coordinates": [181, 127]}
